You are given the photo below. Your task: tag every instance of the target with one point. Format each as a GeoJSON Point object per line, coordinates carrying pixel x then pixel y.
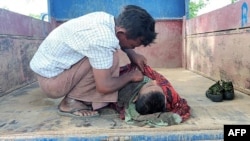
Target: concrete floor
{"type": "Point", "coordinates": [27, 114]}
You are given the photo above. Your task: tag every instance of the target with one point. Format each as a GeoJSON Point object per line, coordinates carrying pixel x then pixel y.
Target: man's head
{"type": "Point", "coordinates": [135, 27]}
{"type": "Point", "coordinates": [151, 99]}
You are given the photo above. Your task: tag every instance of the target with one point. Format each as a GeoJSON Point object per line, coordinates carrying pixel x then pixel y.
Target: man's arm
{"type": "Point", "coordinates": [105, 83]}
{"type": "Point", "coordinates": [136, 58]}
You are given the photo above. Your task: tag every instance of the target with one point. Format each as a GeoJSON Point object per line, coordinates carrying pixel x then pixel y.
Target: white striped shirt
{"type": "Point", "coordinates": [91, 35]}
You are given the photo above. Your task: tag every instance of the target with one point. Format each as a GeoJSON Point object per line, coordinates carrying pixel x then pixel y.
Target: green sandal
{"type": "Point", "coordinates": [215, 92]}
{"type": "Point", "coordinates": [228, 92]}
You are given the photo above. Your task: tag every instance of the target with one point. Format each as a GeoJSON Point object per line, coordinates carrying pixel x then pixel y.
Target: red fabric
{"type": "Point", "coordinates": [175, 103]}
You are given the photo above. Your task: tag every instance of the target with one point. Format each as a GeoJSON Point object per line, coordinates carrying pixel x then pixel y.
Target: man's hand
{"type": "Point", "coordinates": [136, 75]}
{"type": "Point", "coordinates": [136, 59]}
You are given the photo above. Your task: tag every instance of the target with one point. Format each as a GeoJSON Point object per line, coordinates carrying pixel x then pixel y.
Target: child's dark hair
{"type": "Point", "coordinates": [150, 103]}
{"type": "Point", "coordinates": [138, 23]}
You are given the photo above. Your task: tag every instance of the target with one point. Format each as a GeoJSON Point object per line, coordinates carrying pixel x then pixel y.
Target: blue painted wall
{"type": "Point", "coordinates": [62, 10]}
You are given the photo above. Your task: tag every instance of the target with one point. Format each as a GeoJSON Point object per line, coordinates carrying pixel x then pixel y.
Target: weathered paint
{"type": "Point", "coordinates": [21, 25]}
{"type": "Point", "coordinates": [206, 53]}
{"type": "Point", "coordinates": [166, 51]}
{"type": "Point", "coordinates": [15, 54]}
{"type": "Point", "coordinates": [232, 16]}
{"type": "Point", "coordinates": [20, 37]}
{"type": "Point", "coordinates": [17, 46]}
{"type": "Point", "coordinates": [162, 9]}
{"type": "Point", "coordinates": [217, 47]}
{"type": "Point", "coordinates": [172, 136]}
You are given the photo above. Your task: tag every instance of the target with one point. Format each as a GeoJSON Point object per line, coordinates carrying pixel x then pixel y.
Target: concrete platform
{"type": "Point", "coordinates": [26, 114]}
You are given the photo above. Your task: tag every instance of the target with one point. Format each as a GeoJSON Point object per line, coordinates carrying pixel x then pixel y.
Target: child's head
{"type": "Point", "coordinates": [150, 99]}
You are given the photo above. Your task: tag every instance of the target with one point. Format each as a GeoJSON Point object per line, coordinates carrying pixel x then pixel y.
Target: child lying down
{"type": "Point", "coordinates": [152, 102]}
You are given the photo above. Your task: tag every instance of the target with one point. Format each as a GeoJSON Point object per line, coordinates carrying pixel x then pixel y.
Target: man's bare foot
{"type": "Point", "coordinates": [75, 108]}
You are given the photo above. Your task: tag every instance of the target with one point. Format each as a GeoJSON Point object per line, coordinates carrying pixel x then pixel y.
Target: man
{"type": "Point", "coordinates": [79, 59]}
